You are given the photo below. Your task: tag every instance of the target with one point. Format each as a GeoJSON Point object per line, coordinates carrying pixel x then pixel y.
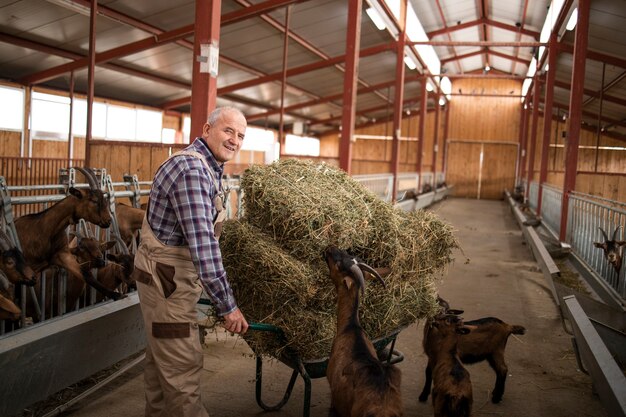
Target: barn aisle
{"type": "Point", "coordinates": [501, 279]}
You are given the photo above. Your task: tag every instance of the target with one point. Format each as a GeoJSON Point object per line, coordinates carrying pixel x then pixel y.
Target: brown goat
{"type": "Point", "coordinates": [452, 392]}
{"type": "Point", "coordinates": [612, 249]}
{"type": "Point", "coordinates": [117, 274]}
{"type": "Point", "coordinates": [13, 264]}
{"type": "Point", "coordinates": [360, 384]}
{"type": "Point", "coordinates": [129, 221]}
{"type": "Point", "coordinates": [43, 236]}
{"type": "Point", "coordinates": [486, 341]}
{"type": "Point", "coordinates": [8, 309]}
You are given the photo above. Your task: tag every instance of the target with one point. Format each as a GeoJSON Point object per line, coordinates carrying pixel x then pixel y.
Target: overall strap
{"type": "Point", "coordinates": [220, 197]}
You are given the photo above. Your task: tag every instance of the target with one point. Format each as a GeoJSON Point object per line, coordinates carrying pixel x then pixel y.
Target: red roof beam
{"type": "Point", "coordinates": [322, 100]}
{"type": "Point", "coordinates": [151, 42]}
{"type": "Point", "coordinates": [509, 57]}
{"type": "Point", "coordinates": [531, 33]}
{"type": "Point", "coordinates": [290, 72]}
{"type": "Point", "coordinates": [596, 56]}
{"type": "Point", "coordinates": [53, 50]}
{"type": "Point", "coordinates": [592, 93]}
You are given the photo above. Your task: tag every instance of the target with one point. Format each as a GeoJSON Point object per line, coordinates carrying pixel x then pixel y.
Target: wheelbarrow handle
{"type": "Point", "coordinates": [264, 327]}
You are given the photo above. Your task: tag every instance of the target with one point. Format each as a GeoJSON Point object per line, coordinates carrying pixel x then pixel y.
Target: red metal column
{"type": "Point", "coordinates": [283, 86]}
{"type": "Point", "coordinates": [547, 118]}
{"type": "Point", "coordinates": [398, 98]}
{"type": "Point", "coordinates": [523, 139]}
{"type": "Point", "coordinates": [575, 110]}
{"type": "Point", "coordinates": [436, 140]}
{"type": "Point", "coordinates": [421, 133]}
{"type": "Point", "coordinates": [206, 46]}
{"type": "Point", "coordinates": [446, 123]}
{"type": "Point", "coordinates": [70, 135]}
{"type": "Point", "coordinates": [353, 45]}
{"type": "Point", "coordinates": [90, 81]}
{"type": "Point", "coordinates": [533, 132]}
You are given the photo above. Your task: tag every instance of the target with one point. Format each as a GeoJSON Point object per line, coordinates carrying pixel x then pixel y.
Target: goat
{"type": "Point", "coordinates": [360, 384]}
{"type": "Point", "coordinates": [129, 221]}
{"type": "Point", "coordinates": [43, 236]}
{"type": "Point", "coordinates": [13, 264]}
{"type": "Point", "coordinates": [89, 253]}
{"type": "Point", "coordinates": [8, 309]}
{"type": "Point", "coordinates": [612, 249]}
{"type": "Point", "coordinates": [452, 392]}
{"type": "Point", "coordinates": [117, 273]}
{"type": "Point", "coordinates": [486, 341]}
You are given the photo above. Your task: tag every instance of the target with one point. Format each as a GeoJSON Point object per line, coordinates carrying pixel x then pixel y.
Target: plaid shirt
{"type": "Point", "coordinates": [181, 214]}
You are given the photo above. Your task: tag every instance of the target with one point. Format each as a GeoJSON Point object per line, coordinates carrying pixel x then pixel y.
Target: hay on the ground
{"type": "Point", "coordinates": [293, 211]}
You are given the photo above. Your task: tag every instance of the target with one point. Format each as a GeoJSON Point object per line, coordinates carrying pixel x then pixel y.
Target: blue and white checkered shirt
{"type": "Point", "coordinates": [181, 213]}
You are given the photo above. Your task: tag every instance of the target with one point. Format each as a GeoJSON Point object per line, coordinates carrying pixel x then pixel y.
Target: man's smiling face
{"type": "Point", "coordinates": [225, 137]}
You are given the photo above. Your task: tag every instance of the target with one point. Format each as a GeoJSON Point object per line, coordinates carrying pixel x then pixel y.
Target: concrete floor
{"type": "Point", "coordinates": [501, 279]}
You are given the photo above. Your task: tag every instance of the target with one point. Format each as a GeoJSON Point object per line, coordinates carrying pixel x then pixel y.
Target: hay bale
{"type": "Point", "coordinates": [293, 211]}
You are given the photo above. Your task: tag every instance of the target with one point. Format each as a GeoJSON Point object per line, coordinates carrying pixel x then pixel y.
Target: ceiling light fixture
{"type": "Point", "coordinates": [378, 21]}
{"type": "Point", "coordinates": [573, 19]}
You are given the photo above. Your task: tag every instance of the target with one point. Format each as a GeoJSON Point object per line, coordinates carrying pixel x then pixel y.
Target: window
{"type": "Point", "coordinates": [50, 116]}
{"type": "Point", "coordinates": [98, 117]}
{"type": "Point", "coordinates": [302, 145]}
{"type": "Point", "coordinates": [186, 129]}
{"type": "Point", "coordinates": [258, 140]}
{"type": "Point", "coordinates": [11, 108]}
{"type": "Point", "coordinates": [121, 123]}
{"type": "Point", "coordinates": [168, 135]}
{"type": "Point", "coordinates": [149, 125]}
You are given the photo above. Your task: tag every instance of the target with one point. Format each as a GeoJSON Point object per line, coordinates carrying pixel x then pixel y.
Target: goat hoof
{"type": "Point", "coordinates": [423, 398]}
{"type": "Point", "coordinates": [496, 400]}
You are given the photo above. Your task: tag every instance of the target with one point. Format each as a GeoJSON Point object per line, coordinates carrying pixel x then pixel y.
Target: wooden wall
{"type": "Point", "coordinates": [373, 156]}
{"type": "Point", "coordinates": [483, 137]}
{"type": "Point", "coordinates": [600, 171]}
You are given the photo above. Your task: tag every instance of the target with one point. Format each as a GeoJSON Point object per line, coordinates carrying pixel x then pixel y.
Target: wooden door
{"type": "Point", "coordinates": [481, 169]}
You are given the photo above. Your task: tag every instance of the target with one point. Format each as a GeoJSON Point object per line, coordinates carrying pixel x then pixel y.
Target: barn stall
{"type": "Point", "coordinates": [484, 98]}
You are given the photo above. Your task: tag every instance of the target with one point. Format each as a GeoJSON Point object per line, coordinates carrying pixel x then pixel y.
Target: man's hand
{"type": "Point", "coordinates": [235, 322]}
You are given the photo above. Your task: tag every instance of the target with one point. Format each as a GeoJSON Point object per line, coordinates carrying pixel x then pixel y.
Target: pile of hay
{"type": "Point", "coordinates": [292, 211]}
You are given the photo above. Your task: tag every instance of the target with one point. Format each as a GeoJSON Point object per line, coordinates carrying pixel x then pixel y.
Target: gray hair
{"type": "Point", "coordinates": [215, 114]}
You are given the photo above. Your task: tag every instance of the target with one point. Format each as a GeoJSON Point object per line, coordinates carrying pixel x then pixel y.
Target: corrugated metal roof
{"type": "Point", "coordinates": [253, 47]}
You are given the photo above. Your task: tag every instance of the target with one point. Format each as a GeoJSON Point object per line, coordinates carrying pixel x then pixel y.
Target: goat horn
{"type": "Point", "coordinates": [357, 274]}
{"type": "Point", "coordinates": [121, 242]}
{"type": "Point", "coordinates": [604, 234]}
{"type": "Point", "coordinates": [5, 242]}
{"type": "Point", "coordinates": [90, 176]}
{"type": "Point", "coordinates": [615, 232]}
{"type": "Point", "coordinates": [372, 271]}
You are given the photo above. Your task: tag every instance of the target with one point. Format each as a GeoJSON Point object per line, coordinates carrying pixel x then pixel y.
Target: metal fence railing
{"type": "Point", "coordinates": [379, 184]}
{"type": "Point", "coordinates": [587, 214]}
{"type": "Point", "coordinates": [551, 202]}
{"type": "Point", "coordinates": [533, 196]}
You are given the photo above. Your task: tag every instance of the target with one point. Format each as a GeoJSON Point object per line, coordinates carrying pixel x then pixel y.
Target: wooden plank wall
{"type": "Point", "coordinates": [373, 156]}
{"type": "Point", "coordinates": [483, 124]}
{"type": "Point", "coordinates": [601, 172]}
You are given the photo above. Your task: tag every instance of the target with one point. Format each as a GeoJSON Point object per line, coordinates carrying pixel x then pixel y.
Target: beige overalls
{"type": "Point", "coordinates": [169, 289]}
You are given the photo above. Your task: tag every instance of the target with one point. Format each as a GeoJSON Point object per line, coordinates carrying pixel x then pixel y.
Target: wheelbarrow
{"type": "Point", "coordinates": [308, 369]}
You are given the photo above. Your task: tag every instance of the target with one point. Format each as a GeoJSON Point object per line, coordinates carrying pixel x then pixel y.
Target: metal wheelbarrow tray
{"type": "Point", "coordinates": [309, 369]}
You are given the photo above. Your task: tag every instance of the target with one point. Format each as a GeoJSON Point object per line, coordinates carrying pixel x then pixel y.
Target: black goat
{"type": "Point", "coordinates": [612, 249]}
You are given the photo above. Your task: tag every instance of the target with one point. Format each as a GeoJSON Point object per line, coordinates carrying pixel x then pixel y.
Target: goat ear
{"type": "Point", "coordinates": [454, 311]}
{"type": "Point", "coordinates": [348, 282]}
{"type": "Point", "coordinates": [601, 245]}
{"type": "Point", "coordinates": [108, 245]}
{"type": "Point", "coordinates": [112, 257]}
{"type": "Point", "coordinates": [75, 192]}
{"type": "Point", "coordinates": [462, 330]}
{"type": "Point", "coordinates": [620, 242]}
